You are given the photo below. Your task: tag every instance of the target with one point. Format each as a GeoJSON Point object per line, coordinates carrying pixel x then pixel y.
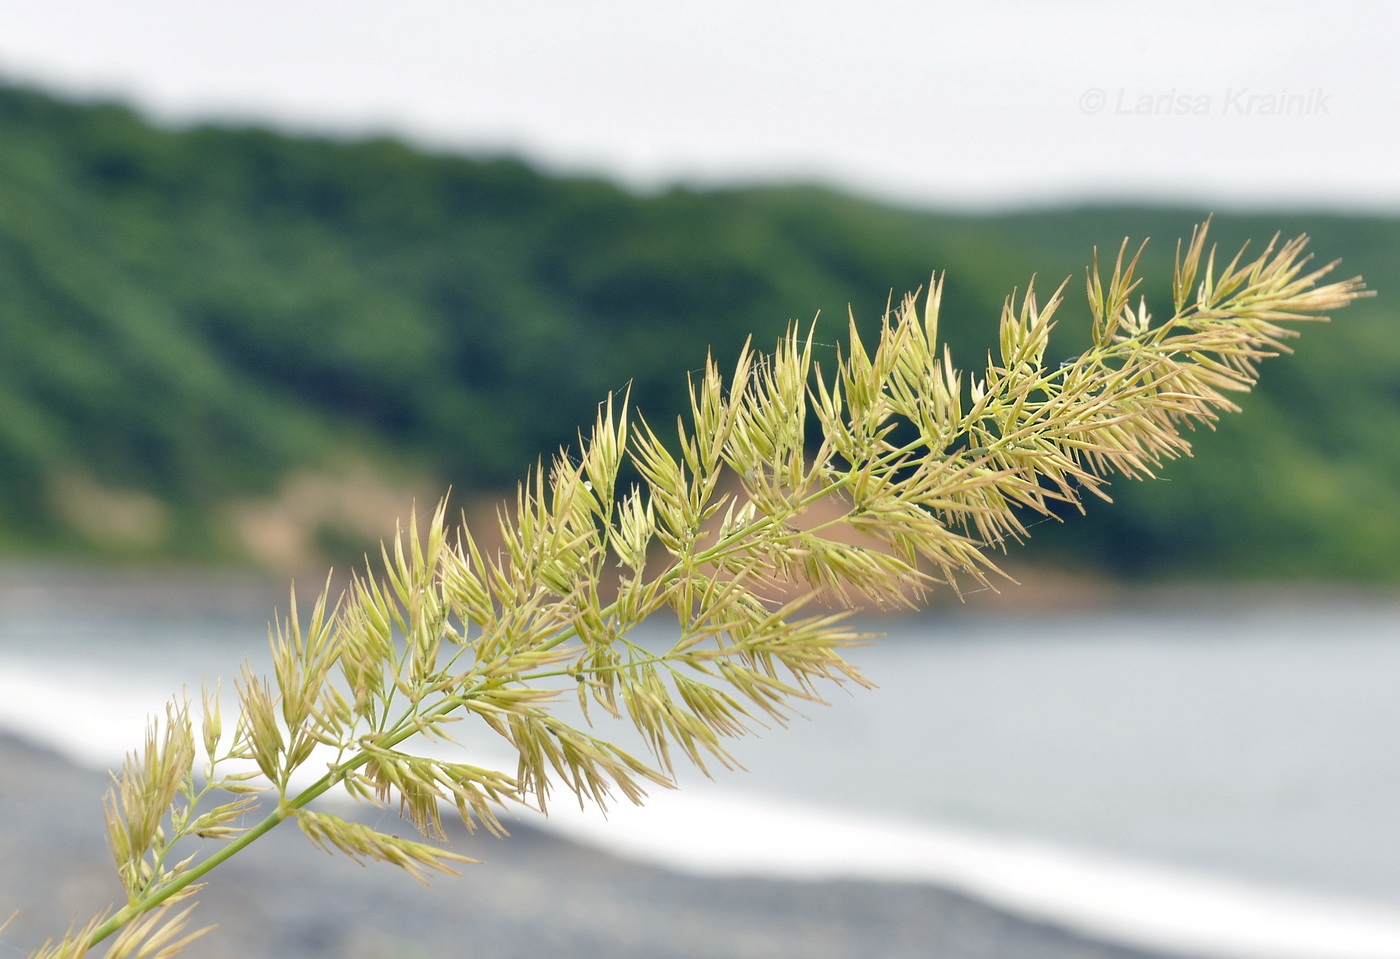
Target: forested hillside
{"type": "Point", "coordinates": [208, 332]}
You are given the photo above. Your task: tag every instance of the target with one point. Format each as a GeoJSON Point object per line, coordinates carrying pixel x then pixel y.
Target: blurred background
{"type": "Point", "coordinates": [271, 272]}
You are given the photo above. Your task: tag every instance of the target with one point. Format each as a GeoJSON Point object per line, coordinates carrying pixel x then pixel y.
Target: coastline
{"type": "Point", "coordinates": [538, 894]}
{"type": "Point", "coordinates": [1029, 589]}
{"type": "Point", "coordinates": [95, 612]}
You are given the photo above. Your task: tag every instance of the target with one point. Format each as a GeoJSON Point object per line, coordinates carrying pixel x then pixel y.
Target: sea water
{"type": "Point", "coordinates": [1220, 776]}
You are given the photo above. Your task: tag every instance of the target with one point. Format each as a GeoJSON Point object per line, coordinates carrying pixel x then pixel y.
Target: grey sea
{"type": "Point", "coordinates": [1194, 773]}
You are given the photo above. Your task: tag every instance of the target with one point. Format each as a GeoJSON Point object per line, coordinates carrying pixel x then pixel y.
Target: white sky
{"type": "Point", "coordinates": [989, 103]}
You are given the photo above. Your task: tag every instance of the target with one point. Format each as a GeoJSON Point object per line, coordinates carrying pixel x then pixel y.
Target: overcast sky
{"type": "Point", "coordinates": [989, 103]}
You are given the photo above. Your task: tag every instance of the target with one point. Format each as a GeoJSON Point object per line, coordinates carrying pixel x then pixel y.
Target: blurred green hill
{"type": "Point", "coordinates": [233, 345]}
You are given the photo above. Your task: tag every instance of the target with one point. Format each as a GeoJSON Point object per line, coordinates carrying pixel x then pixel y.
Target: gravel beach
{"type": "Point", "coordinates": [537, 896]}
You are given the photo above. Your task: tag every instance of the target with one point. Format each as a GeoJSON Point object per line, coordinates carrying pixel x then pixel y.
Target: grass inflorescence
{"type": "Point", "coordinates": [738, 527]}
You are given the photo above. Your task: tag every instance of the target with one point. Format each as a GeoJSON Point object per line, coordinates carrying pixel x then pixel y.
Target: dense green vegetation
{"type": "Point", "coordinates": [187, 318]}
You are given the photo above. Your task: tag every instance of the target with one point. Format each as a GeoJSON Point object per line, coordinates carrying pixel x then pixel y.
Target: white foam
{"type": "Point", "coordinates": [1133, 903]}
{"type": "Point", "coordinates": [72, 710]}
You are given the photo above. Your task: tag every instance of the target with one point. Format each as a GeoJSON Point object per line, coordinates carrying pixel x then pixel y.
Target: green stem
{"type": "Point", "coordinates": [184, 880]}
{"type": "Point", "coordinates": [163, 893]}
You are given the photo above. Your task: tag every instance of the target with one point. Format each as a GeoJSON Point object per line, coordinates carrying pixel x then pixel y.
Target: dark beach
{"type": "Point", "coordinates": [537, 895]}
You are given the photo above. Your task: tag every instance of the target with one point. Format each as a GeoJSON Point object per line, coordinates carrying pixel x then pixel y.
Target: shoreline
{"type": "Point", "coordinates": [788, 882]}
{"type": "Point", "coordinates": [1026, 589]}
{"type": "Point", "coordinates": [242, 602]}
{"type": "Point", "coordinates": [539, 894]}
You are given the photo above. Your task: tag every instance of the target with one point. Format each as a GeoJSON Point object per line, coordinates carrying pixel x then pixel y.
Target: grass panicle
{"type": "Point", "coordinates": [737, 528]}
